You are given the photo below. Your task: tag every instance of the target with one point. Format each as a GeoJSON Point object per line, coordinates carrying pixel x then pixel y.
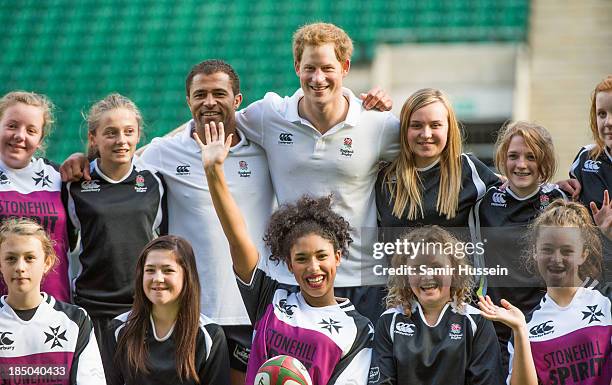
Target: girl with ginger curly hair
{"type": "Point", "coordinates": [429, 334]}
{"type": "Point", "coordinates": [566, 338]}
{"type": "Point", "coordinates": [324, 332]}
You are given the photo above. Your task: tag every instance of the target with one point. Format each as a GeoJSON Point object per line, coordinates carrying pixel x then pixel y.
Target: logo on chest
{"type": "Point", "coordinates": [3, 178]}
{"type": "Point", "coordinates": [139, 186]}
{"type": "Point", "coordinates": [55, 337]}
{"type": "Point", "coordinates": [41, 179]}
{"type": "Point", "coordinates": [243, 169]}
{"type": "Point", "coordinates": [331, 326]}
{"type": "Point", "coordinates": [183, 169]}
{"type": "Point", "coordinates": [592, 313]}
{"type": "Point", "coordinates": [405, 329]}
{"type": "Point", "coordinates": [591, 166]}
{"type": "Point", "coordinates": [90, 186]}
{"type": "Point", "coordinates": [455, 332]}
{"type": "Point", "coordinates": [6, 341]}
{"type": "Point", "coordinates": [285, 138]}
{"type": "Point", "coordinates": [542, 329]}
{"type": "Point", "coordinates": [544, 201]}
{"type": "Point", "coordinates": [285, 308]}
{"type": "Point", "coordinates": [347, 147]}
{"type": "Point", "coordinates": [498, 199]}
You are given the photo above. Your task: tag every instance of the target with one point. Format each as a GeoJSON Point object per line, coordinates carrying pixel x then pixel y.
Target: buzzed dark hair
{"type": "Point", "coordinates": [209, 67]}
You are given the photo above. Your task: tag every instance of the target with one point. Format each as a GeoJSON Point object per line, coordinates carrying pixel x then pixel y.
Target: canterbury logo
{"type": "Point", "coordinates": [541, 328]}
{"type": "Point", "coordinates": [499, 198]}
{"type": "Point", "coordinates": [285, 138]}
{"type": "Point", "coordinates": [405, 328]}
{"type": "Point", "coordinates": [591, 165]}
{"type": "Point", "coordinates": [182, 169]}
{"type": "Point", "coordinates": [4, 339]}
{"type": "Point", "coordinates": [90, 185]}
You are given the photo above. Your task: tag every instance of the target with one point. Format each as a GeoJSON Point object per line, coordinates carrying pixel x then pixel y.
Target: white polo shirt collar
{"type": "Point", "coordinates": [292, 114]}
{"type": "Point", "coordinates": [191, 145]}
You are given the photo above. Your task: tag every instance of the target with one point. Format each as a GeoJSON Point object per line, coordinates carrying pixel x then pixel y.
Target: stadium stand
{"type": "Point", "coordinates": [77, 51]}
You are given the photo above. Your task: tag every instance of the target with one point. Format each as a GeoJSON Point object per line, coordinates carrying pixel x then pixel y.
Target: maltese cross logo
{"type": "Point", "coordinates": [329, 325]}
{"type": "Point", "coordinates": [55, 336]}
{"type": "Point", "coordinates": [43, 178]}
{"type": "Point", "coordinates": [593, 313]}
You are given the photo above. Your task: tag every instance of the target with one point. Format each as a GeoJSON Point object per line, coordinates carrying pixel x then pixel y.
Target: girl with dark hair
{"type": "Point", "coordinates": [309, 323]}
{"type": "Point", "coordinates": [164, 338]}
{"type": "Point", "coordinates": [566, 338]}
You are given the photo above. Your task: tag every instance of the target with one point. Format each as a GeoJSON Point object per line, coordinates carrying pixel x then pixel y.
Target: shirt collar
{"type": "Point", "coordinates": [188, 140]}
{"type": "Point", "coordinates": [352, 117]}
{"type": "Point", "coordinates": [528, 196]}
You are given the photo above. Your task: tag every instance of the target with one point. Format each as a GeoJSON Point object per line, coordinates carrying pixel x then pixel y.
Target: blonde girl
{"type": "Point", "coordinates": [117, 213]}
{"type": "Point", "coordinates": [431, 182]}
{"type": "Point", "coordinates": [30, 186]}
{"type": "Point", "coordinates": [525, 155]}
{"type": "Point", "coordinates": [547, 345]}
{"type": "Point", "coordinates": [43, 339]}
{"type": "Point", "coordinates": [429, 334]}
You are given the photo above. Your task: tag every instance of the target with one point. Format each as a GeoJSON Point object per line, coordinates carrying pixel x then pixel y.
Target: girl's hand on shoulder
{"type": "Point", "coordinates": [506, 313]}
{"type": "Point", "coordinates": [216, 146]}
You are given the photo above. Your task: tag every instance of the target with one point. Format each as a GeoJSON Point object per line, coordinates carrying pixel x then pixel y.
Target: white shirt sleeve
{"type": "Point", "coordinates": [89, 364]}
{"type": "Point", "coordinates": [357, 371]}
{"type": "Point", "coordinates": [250, 119]}
{"type": "Point", "coordinates": [390, 138]}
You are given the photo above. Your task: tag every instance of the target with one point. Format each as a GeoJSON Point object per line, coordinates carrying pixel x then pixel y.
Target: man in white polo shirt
{"type": "Point", "coordinates": [213, 94]}
{"type": "Point", "coordinates": [322, 141]}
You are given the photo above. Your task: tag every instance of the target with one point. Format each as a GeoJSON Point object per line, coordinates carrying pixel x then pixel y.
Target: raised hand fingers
{"type": "Point", "coordinates": [506, 304]}
{"type": "Point", "coordinates": [196, 137]}
{"type": "Point", "coordinates": [594, 208]}
{"type": "Point", "coordinates": [487, 305]}
{"type": "Point", "coordinates": [207, 133]}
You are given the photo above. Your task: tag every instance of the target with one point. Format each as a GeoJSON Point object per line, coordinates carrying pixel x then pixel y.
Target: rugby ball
{"type": "Point", "coordinates": [282, 370]}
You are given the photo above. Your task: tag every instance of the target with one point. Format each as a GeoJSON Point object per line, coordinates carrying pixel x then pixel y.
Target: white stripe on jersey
{"type": "Point", "coordinates": [481, 187]}
{"type": "Point", "coordinates": [576, 163]}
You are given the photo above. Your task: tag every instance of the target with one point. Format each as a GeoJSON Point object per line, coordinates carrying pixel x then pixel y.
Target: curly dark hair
{"type": "Point", "coordinates": [307, 215]}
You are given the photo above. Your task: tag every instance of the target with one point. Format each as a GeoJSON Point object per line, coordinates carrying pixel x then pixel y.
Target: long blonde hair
{"type": "Point", "coordinates": [400, 293]}
{"type": "Point", "coordinates": [401, 177]}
